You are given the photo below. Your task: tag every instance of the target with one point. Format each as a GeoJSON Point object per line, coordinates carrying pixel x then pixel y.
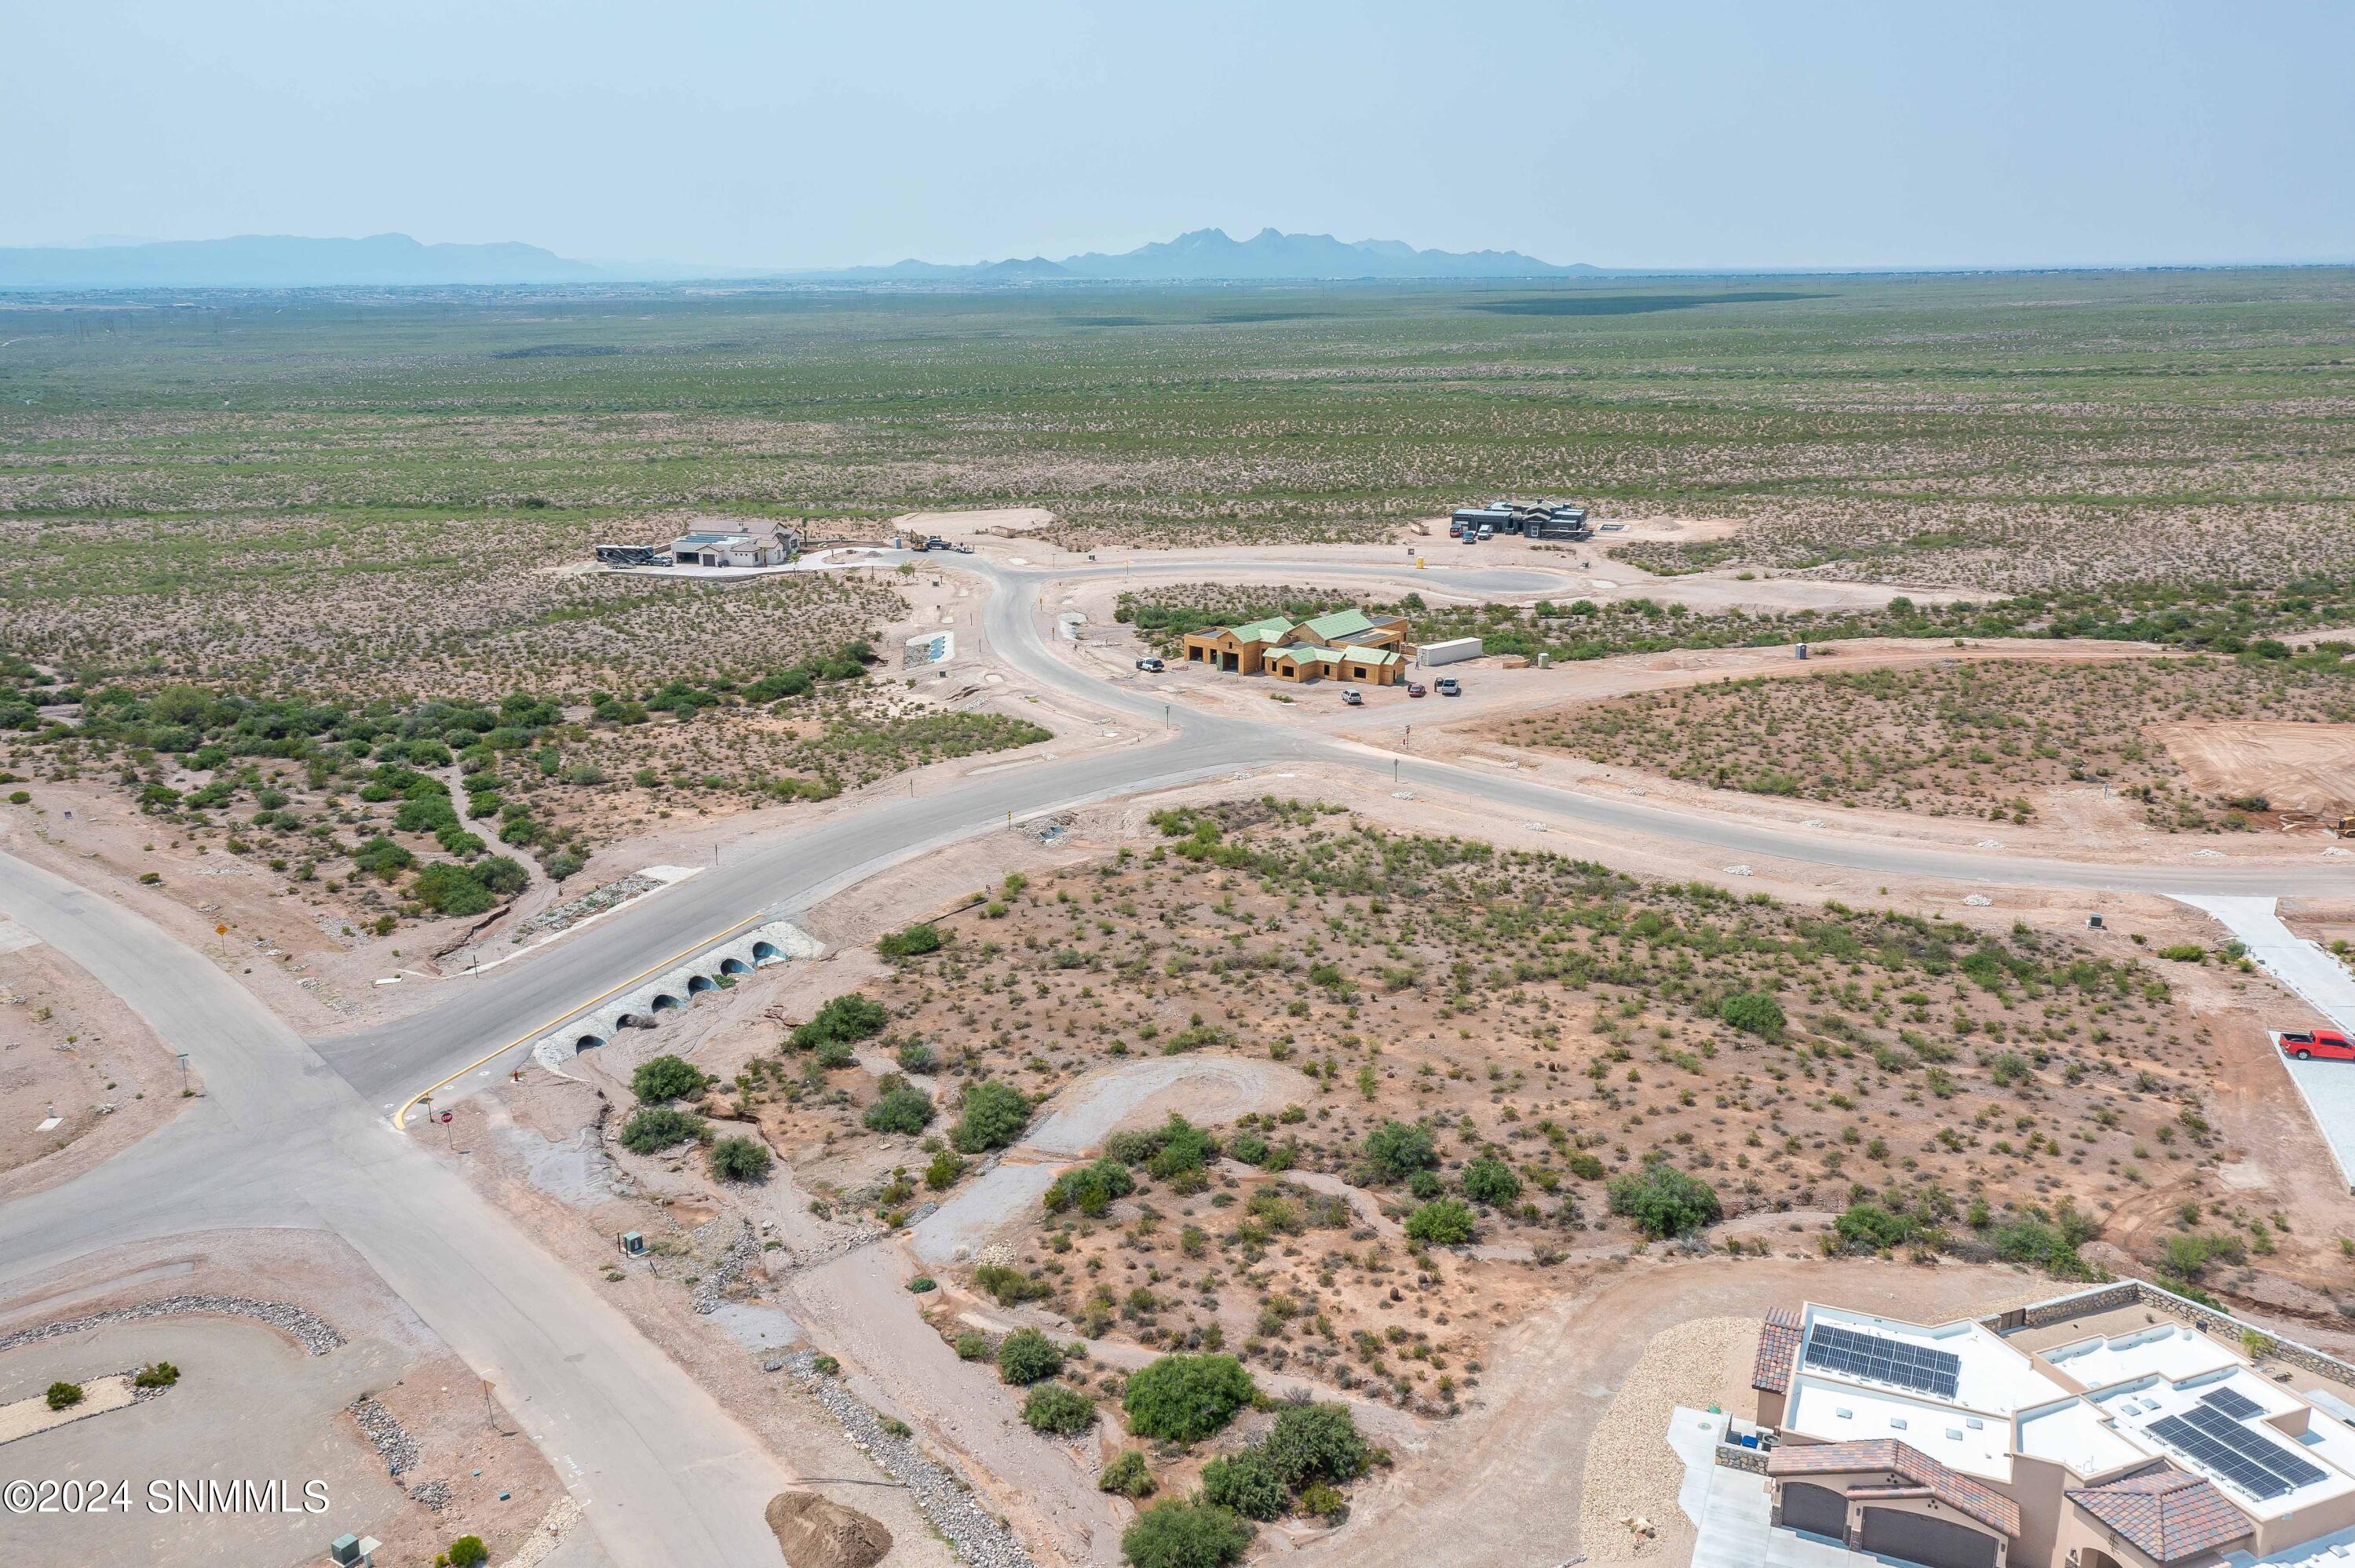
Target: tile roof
{"type": "Point", "coordinates": [2168, 1514]}
{"type": "Point", "coordinates": [1907, 1466]}
{"type": "Point", "coordinates": [1778, 1352]}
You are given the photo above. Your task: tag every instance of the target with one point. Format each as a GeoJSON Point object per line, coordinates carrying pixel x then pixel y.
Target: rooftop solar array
{"type": "Point", "coordinates": [2233, 1402]}
{"type": "Point", "coordinates": [2257, 1465]}
{"type": "Point", "coordinates": [1917, 1367]}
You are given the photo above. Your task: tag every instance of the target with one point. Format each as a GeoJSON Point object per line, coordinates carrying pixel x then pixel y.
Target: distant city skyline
{"type": "Point", "coordinates": [759, 135]}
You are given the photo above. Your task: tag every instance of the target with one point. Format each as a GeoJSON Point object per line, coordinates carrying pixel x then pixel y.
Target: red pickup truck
{"type": "Point", "coordinates": [2329, 1044]}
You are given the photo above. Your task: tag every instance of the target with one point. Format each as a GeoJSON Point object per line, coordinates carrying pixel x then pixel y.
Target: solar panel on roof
{"type": "Point", "coordinates": [2236, 1467]}
{"type": "Point", "coordinates": [1896, 1361]}
{"type": "Point", "coordinates": [2252, 1445]}
{"type": "Point", "coordinates": [2233, 1402]}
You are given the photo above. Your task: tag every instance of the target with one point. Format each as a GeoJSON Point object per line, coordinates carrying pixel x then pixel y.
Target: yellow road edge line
{"type": "Point", "coordinates": [401, 1117]}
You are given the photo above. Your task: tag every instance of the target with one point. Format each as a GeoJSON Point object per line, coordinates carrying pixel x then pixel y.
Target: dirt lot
{"type": "Point", "coordinates": [69, 1050]}
{"type": "Point", "coordinates": [2296, 766]}
{"type": "Point", "coordinates": [255, 1403]}
{"type": "Point", "coordinates": [1990, 740]}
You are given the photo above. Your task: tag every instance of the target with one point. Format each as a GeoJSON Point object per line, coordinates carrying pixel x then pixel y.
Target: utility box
{"type": "Point", "coordinates": [1452, 650]}
{"type": "Point", "coordinates": [2094, 922]}
{"type": "Point", "coordinates": [633, 1244]}
{"type": "Point", "coordinates": [345, 1550]}
{"type": "Point", "coordinates": [1803, 649]}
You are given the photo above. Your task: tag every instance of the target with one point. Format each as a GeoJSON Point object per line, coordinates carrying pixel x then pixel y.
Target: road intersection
{"type": "Point", "coordinates": [296, 1132]}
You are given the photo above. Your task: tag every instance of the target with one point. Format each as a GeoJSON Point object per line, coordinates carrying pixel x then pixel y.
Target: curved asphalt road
{"type": "Point", "coordinates": [293, 1132]}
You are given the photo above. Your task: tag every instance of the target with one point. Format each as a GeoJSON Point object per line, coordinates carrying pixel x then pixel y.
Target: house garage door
{"type": "Point", "coordinates": [1917, 1537]}
{"type": "Point", "coordinates": [1817, 1509]}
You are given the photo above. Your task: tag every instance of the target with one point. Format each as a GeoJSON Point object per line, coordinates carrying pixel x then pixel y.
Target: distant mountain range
{"type": "Point", "coordinates": [1211, 255]}
{"type": "Point", "coordinates": [284, 262]}
{"type": "Point", "coordinates": [287, 261]}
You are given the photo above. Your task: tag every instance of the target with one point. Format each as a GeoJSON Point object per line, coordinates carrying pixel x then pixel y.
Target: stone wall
{"type": "Point", "coordinates": [2143, 1293]}
{"type": "Point", "coordinates": [1734, 1456]}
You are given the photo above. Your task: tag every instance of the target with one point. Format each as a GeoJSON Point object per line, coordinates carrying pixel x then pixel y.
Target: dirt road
{"type": "Point", "coordinates": [1206, 1089]}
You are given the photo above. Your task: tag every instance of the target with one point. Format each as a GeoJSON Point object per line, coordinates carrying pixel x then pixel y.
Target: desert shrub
{"type": "Point", "coordinates": [1127, 1476]}
{"type": "Point", "coordinates": [1186, 1398]}
{"type": "Point", "coordinates": [1583, 1166]}
{"type": "Point", "coordinates": [502, 875]}
{"type": "Point", "coordinates": [1027, 1356]}
{"type": "Point", "coordinates": [1247, 1484]}
{"type": "Point", "coordinates": [1397, 1150]}
{"type": "Point", "coordinates": [1185, 1535]}
{"type": "Point", "coordinates": [2183, 952]}
{"type": "Point", "coordinates": [1313, 1442]}
{"type": "Point", "coordinates": [844, 1018]}
{"type": "Point", "coordinates": [1091, 1188]}
{"type": "Point", "coordinates": [1058, 1408]}
{"type": "Point", "coordinates": [1010, 1287]}
{"type": "Point", "coordinates": [161, 1374]}
{"type": "Point", "coordinates": [659, 1078]}
{"type": "Point", "coordinates": [902, 1107]}
{"type": "Point", "coordinates": [741, 1159]}
{"type": "Point", "coordinates": [1753, 1013]}
{"type": "Point", "coordinates": [1662, 1200]}
{"type": "Point", "coordinates": [448, 888]}
{"type": "Point", "coordinates": [914, 942]}
{"type": "Point", "coordinates": [1868, 1228]}
{"type": "Point", "coordinates": [380, 857]}
{"type": "Point", "coordinates": [1425, 1185]}
{"type": "Point", "coordinates": [651, 1128]}
{"type": "Point", "coordinates": [1488, 1180]}
{"type": "Point", "coordinates": [468, 1552]}
{"type": "Point", "coordinates": [64, 1396]}
{"type": "Point", "coordinates": [972, 1347]}
{"type": "Point", "coordinates": [994, 1115]}
{"type": "Point", "coordinates": [916, 1057]}
{"type": "Point", "coordinates": [2050, 1242]}
{"type": "Point", "coordinates": [943, 1172]}
{"type": "Point", "coordinates": [1325, 1502]}
{"type": "Point", "coordinates": [1445, 1221]}
{"type": "Point", "coordinates": [1184, 1147]}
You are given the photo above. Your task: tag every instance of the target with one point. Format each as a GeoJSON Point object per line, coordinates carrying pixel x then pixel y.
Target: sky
{"type": "Point", "coordinates": [764, 133]}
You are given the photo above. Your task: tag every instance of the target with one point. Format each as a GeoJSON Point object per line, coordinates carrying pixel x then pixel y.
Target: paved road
{"type": "Point", "coordinates": [389, 1063]}
{"type": "Point", "coordinates": [293, 1133]}
{"type": "Point", "coordinates": [281, 1140]}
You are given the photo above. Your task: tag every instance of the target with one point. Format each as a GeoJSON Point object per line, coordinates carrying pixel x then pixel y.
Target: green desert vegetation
{"type": "Point", "coordinates": [1528, 1051]}
{"type": "Point", "coordinates": [304, 781]}
{"type": "Point", "coordinates": [1984, 739]}
{"type": "Point", "coordinates": [1999, 432]}
{"type": "Point", "coordinates": [2219, 616]}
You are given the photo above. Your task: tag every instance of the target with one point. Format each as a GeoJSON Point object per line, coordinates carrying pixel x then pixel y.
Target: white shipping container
{"type": "Point", "coordinates": [1449, 651]}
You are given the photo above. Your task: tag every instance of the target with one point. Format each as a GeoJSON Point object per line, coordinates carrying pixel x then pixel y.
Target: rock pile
{"type": "Point", "coordinates": [386, 1434]}
{"type": "Point", "coordinates": [979, 1536]}
{"type": "Point", "coordinates": [313, 1333]}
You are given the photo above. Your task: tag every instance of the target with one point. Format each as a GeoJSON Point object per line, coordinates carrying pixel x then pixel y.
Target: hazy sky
{"type": "Point", "coordinates": [786, 134]}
